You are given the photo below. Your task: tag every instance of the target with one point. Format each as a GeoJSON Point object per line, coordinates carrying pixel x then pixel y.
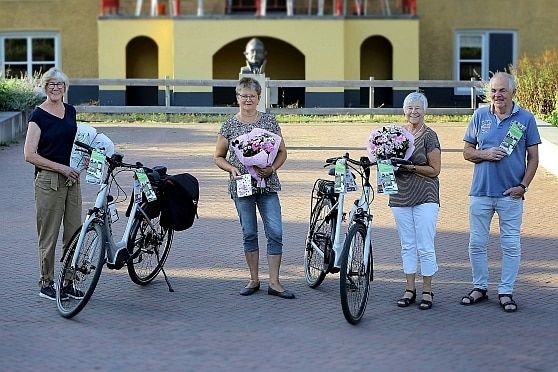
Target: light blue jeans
{"type": "Point", "coordinates": [270, 212]}
{"type": "Point", "coordinates": [417, 229]}
{"type": "Point", "coordinates": [510, 215]}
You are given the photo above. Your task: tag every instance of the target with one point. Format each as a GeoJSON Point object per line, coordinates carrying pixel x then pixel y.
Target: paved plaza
{"type": "Point", "coordinates": [206, 326]}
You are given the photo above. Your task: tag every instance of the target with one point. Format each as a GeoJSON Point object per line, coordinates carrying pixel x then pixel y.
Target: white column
{"type": "Point", "coordinates": [290, 8]}
{"type": "Point", "coordinates": [320, 8]}
{"type": "Point", "coordinates": [153, 8]}
{"type": "Point", "coordinates": [139, 5]}
{"type": "Point", "coordinates": [200, 8]}
{"type": "Point", "coordinates": [263, 7]}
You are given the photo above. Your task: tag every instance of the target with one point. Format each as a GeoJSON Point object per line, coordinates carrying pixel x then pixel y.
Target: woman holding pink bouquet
{"type": "Point", "coordinates": [251, 149]}
{"type": "Point", "coordinates": [415, 206]}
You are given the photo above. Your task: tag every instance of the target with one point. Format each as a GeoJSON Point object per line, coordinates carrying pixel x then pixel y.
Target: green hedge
{"type": "Point", "coordinates": [537, 84]}
{"type": "Point", "coordinates": [18, 94]}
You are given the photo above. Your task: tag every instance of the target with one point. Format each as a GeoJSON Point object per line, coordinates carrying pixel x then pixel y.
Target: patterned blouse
{"type": "Point", "coordinates": [231, 129]}
{"type": "Point", "coordinates": [415, 189]}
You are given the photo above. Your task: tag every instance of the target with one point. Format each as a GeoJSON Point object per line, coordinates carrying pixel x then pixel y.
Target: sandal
{"type": "Point", "coordinates": [425, 304]}
{"type": "Point", "coordinates": [406, 301]}
{"type": "Point", "coordinates": [510, 302]}
{"type": "Point", "coordinates": [473, 300]}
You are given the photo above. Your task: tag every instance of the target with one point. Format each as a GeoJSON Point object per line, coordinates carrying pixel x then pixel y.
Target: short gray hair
{"type": "Point", "coordinates": [249, 83]}
{"type": "Point", "coordinates": [55, 73]}
{"type": "Point", "coordinates": [415, 97]}
{"type": "Point", "coordinates": [511, 79]}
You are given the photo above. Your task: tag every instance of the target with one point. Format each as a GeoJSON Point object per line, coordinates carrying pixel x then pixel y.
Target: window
{"type": "Point", "coordinates": [480, 53]}
{"type": "Point", "coordinates": [28, 54]}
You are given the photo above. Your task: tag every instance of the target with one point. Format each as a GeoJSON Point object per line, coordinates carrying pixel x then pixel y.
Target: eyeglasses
{"type": "Point", "coordinates": [247, 97]}
{"type": "Point", "coordinates": [58, 85]}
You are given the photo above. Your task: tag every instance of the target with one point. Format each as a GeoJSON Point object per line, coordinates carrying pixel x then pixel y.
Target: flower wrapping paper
{"type": "Point", "coordinates": [390, 142]}
{"type": "Point", "coordinates": [258, 148]}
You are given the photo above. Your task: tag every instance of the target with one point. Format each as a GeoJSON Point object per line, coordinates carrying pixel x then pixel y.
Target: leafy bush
{"type": "Point", "coordinates": [18, 94]}
{"type": "Point", "coordinates": [537, 83]}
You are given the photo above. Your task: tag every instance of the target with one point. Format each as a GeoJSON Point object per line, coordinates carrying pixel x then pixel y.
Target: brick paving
{"type": "Point", "coordinates": [205, 325]}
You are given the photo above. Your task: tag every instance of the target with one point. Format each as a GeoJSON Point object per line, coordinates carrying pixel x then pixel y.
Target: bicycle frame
{"type": "Point", "coordinates": [100, 213]}
{"type": "Point", "coordinates": [359, 213]}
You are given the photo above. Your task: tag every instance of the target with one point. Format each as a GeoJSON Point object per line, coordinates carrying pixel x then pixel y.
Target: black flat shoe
{"type": "Point", "coordinates": [406, 301]}
{"type": "Point", "coordinates": [425, 304]}
{"type": "Point", "coordinates": [249, 291]}
{"type": "Point", "coordinates": [284, 294]}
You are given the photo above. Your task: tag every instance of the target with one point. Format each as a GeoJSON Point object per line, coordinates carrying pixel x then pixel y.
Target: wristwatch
{"type": "Point", "coordinates": [523, 187]}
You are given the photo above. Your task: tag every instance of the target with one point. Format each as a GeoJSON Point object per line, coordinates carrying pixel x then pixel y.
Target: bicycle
{"type": "Point", "coordinates": [143, 248]}
{"type": "Point", "coordinates": [326, 250]}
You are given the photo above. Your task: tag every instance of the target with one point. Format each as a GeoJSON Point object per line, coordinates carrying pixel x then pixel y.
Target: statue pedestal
{"type": "Point", "coordinates": [264, 99]}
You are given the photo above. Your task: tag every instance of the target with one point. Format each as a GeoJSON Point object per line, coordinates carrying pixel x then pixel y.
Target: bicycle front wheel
{"type": "Point", "coordinates": [354, 275]}
{"type": "Point", "coordinates": [149, 247]}
{"type": "Point", "coordinates": [80, 281]}
{"type": "Point", "coordinates": [319, 247]}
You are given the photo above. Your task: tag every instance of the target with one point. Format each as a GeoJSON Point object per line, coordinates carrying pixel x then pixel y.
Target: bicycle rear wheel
{"type": "Point", "coordinates": [149, 249]}
{"type": "Point", "coordinates": [322, 228]}
{"type": "Point", "coordinates": [85, 275]}
{"type": "Point", "coordinates": [354, 275]}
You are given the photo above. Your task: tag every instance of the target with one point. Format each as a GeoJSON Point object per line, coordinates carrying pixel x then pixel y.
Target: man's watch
{"type": "Point", "coordinates": [523, 187]}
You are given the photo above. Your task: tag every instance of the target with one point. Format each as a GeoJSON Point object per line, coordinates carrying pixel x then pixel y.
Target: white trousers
{"type": "Point", "coordinates": [417, 229]}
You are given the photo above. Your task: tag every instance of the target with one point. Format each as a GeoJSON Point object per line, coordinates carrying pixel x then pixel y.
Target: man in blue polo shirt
{"type": "Point", "coordinates": [502, 141]}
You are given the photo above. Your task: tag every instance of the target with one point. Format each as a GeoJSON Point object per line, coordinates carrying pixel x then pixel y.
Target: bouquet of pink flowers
{"type": "Point", "coordinates": [257, 148]}
{"type": "Point", "coordinates": [390, 142]}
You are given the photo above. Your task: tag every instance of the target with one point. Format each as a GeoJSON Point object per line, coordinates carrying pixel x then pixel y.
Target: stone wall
{"type": "Point", "coordinates": [13, 126]}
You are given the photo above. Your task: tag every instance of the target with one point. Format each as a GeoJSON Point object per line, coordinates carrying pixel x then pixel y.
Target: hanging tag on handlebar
{"type": "Point", "coordinates": [350, 183]}
{"type": "Point", "coordinates": [340, 169]}
{"type": "Point", "coordinates": [386, 178]}
{"type": "Point", "coordinates": [137, 192]}
{"type": "Point", "coordinates": [96, 168]}
{"type": "Point", "coordinates": [145, 185]}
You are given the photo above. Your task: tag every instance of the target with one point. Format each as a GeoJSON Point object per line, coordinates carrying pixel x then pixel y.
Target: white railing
{"type": "Point", "coordinates": [168, 86]}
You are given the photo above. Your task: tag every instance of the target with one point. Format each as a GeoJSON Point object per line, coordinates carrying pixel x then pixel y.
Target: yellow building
{"type": "Point", "coordinates": [350, 40]}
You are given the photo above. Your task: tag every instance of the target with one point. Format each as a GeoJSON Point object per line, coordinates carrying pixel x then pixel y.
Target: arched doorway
{"type": "Point", "coordinates": [142, 62]}
{"type": "Point", "coordinates": [376, 60]}
{"type": "Point", "coordinates": [284, 62]}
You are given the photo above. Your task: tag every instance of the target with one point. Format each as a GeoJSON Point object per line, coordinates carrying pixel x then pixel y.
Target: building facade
{"type": "Point", "coordinates": [337, 40]}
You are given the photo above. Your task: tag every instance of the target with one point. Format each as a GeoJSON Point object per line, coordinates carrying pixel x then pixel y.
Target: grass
{"type": "Point", "coordinates": [206, 118]}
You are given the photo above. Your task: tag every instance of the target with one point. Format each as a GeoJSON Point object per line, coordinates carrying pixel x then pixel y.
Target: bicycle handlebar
{"type": "Point", "coordinates": [115, 160]}
{"type": "Point", "coordinates": [365, 162]}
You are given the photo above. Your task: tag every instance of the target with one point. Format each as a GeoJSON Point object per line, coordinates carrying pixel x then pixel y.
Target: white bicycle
{"type": "Point", "coordinates": [143, 248]}
{"type": "Point", "coordinates": [327, 251]}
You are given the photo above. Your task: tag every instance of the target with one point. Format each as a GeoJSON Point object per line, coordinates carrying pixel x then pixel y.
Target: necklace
{"type": "Point", "coordinates": [416, 132]}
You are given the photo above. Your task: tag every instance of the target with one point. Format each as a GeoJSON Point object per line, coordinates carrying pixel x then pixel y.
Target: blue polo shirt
{"type": "Point", "coordinates": [486, 130]}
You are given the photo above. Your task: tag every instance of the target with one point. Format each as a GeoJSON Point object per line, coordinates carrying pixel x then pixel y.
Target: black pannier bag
{"type": "Point", "coordinates": [179, 206]}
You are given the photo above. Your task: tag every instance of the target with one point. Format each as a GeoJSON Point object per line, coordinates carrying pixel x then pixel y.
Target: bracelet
{"type": "Point", "coordinates": [414, 168]}
{"type": "Point", "coordinates": [523, 187]}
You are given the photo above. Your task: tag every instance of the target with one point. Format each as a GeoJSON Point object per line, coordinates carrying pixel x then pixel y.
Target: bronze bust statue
{"type": "Point", "coordinates": [256, 57]}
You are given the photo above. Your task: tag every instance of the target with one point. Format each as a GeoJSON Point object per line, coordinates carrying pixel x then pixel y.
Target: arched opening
{"type": "Point", "coordinates": [376, 60]}
{"type": "Point", "coordinates": [142, 62]}
{"type": "Point", "coordinates": [284, 62]}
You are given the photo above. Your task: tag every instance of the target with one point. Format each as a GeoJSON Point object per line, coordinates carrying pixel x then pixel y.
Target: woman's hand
{"type": "Point", "coordinates": [234, 172]}
{"type": "Point", "coordinates": [69, 172]}
{"type": "Point", "coordinates": [264, 172]}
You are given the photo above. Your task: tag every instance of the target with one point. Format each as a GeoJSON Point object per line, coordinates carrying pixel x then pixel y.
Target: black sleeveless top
{"type": "Point", "coordinates": [57, 135]}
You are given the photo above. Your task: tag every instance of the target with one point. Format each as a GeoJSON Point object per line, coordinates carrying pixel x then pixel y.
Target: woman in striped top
{"type": "Point", "coordinates": [415, 207]}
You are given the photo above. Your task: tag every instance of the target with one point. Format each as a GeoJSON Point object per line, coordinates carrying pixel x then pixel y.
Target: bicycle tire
{"type": "Point", "coordinates": [85, 276]}
{"type": "Point", "coordinates": [146, 257]}
{"type": "Point", "coordinates": [322, 230]}
{"type": "Point", "coordinates": [354, 276]}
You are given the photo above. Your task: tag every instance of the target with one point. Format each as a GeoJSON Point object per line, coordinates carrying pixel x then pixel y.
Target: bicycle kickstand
{"type": "Point", "coordinates": [164, 273]}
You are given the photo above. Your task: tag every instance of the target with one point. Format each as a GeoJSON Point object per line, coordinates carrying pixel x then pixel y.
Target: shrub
{"type": "Point", "coordinates": [18, 94]}
{"type": "Point", "coordinates": [537, 83]}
